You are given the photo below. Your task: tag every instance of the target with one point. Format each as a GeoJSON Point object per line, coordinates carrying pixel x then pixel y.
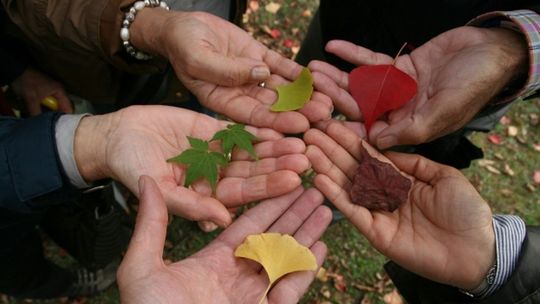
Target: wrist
{"type": "Point", "coordinates": [90, 146]}
{"type": "Point", "coordinates": [148, 30]}
{"type": "Point", "coordinates": [484, 262]}
{"type": "Point", "coordinates": [513, 54]}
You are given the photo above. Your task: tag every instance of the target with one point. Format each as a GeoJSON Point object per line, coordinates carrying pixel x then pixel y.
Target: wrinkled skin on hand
{"type": "Point", "coordinates": [214, 274]}
{"type": "Point", "coordinates": [458, 73]}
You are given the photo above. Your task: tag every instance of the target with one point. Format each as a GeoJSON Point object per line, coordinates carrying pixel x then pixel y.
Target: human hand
{"type": "Point", "coordinates": [138, 140]}
{"type": "Point", "coordinates": [458, 73]}
{"type": "Point", "coordinates": [222, 65]}
{"type": "Point", "coordinates": [443, 232]}
{"type": "Point", "coordinates": [33, 86]}
{"type": "Point", "coordinates": [214, 274]}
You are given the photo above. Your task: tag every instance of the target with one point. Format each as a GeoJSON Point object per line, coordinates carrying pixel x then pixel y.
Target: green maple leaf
{"type": "Point", "coordinates": [295, 95]}
{"type": "Point", "coordinates": [201, 162]}
{"type": "Point", "coordinates": [236, 134]}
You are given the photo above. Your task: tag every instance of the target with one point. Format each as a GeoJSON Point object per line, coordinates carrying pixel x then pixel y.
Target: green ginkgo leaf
{"type": "Point", "coordinates": [295, 95]}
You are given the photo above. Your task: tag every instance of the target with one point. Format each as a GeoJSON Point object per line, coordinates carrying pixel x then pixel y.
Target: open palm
{"type": "Point", "coordinates": [443, 232]}
{"type": "Point", "coordinates": [214, 275]}
{"type": "Point", "coordinates": [458, 73]}
{"type": "Point", "coordinates": [214, 59]}
{"type": "Point", "coordinates": [140, 140]}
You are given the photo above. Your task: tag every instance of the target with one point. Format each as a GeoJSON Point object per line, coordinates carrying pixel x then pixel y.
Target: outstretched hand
{"type": "Point", "coordinates": [458, 73]}
{"type": "Point", "coordinates": [222, 65]}
{"type": "Point", "coordinates": [214, 275]}
{"type": "Point", "coordinates": [443, 232]}
{"type": "Point", "coordinates": [138, 140]}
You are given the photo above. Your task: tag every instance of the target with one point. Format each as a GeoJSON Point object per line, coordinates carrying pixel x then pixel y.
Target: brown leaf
{"type": "Point", "coordinates": [325, 292]}
{"type": "Point", "coordinates": [393, 298]}
{"type": "Point", "coordinates": [508, 170]}
{"type": "Point", "coordinates": [534, 120]}
{"type": "Point", "coordinates": [537, 147]}
{"type": "Point", "coordinates": [485, 162]}
{"type": "Point", "coordinates": [506, 192]}
{"type": "Point", "coordinates": [493, 170]}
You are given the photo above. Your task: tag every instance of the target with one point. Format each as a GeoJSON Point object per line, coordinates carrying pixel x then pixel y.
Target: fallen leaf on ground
{"type": "Point", "coordinates": [278, 254]}
{"type": "Point", "coordinates": [272, 7]}
{"type": "Point", "coordinates": [295, 95]}
{"type": "Point", "coordinates": [493, 170]}
{"type": "Point", "coordinates": [393, 298]}
{"type": "Point", "coordinates": [505, 120]}
{"type": "Point", "coordinates": [512, 131]}
{"type": "Point", "coordinates": [537, 147]}
{"type": "Point", "coordinates": [495, 139]}
{"type": "Point", "coordinates": [536, 177]}
{"type": "Point", "coordinates": [485, 162]}
{"type": "Point", "coordinates": [508, 170]}
{"type": "Point", "coordinates": [254, 5]}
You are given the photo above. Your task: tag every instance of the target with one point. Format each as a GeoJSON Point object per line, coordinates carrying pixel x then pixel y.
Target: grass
{"type": "Point", "coordinates": [354, 268]}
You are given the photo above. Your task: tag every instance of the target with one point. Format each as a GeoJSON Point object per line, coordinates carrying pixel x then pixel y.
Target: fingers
{"type": "Point", "coordinates": [234, 191]}
{"type": "Point", "coordinates": [228, 71]}
{"type": "Point", "coordinates": [318, 108]}
{"type": "Point", "coordinates": [334, 151]}
{"type": "Point", "coordinates": [251, 111]}
{"type": "Point", "coordinates": [259, 218]}
{"type": "Point", "coordinates": [282, 66]}
{"type": "Point", "coordinates": [295, 162]}
{"type": "Point", "coordinates": [298, 213]}
{"type": "Point", "coordinates": [359, 216]}
{"type": "Point", "coordinates": [195, 206]}
{"type": "Point", "coordinates": [277, 148]}
{"type": "Point", "coordinates": [64, 104]}
{"type": "Point", "coordinates": [146, 245]}
{"type": "Point", "coordinates": [420, 167]}
{"type": "Point", "coordinates": [292, 287]}
{"type": "Point", "coordinates": [356, 54]}
{"type": "Point", "coordinates": [343, 101]}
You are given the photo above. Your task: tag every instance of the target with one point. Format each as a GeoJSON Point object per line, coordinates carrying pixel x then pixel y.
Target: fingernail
{"type": "Point", "coordinates": [386, 142]}
{"type": "Point", "coordinates": [260, 73]}
{"type": "Point", "coordinates": [141, 185]}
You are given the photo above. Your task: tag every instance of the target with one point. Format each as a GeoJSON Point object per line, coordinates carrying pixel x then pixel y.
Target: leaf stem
{"type": "Point", "coordinates": [265, 293]}
{"type": "Point", "coordinates": [399, 53]}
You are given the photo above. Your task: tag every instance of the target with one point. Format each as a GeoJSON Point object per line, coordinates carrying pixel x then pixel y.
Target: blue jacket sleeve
{"type": "Point", "coordinates": [31, 175]}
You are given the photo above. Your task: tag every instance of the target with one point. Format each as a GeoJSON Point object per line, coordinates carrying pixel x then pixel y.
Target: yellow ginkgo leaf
{"type": "Point", "coordinates": [278, 254]}
{"type": "Point", "coordinates": [295, 95]}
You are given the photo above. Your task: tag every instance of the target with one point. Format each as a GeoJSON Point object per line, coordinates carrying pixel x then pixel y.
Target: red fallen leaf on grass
{"type": "Point", "coordinates": [495, 139]}
{"type": "Point", "coordinates": [288, 43]}
{"type": "Point", "coordinates": [378, 89]}
{"type": "Point", "coordinates": [275, 33]}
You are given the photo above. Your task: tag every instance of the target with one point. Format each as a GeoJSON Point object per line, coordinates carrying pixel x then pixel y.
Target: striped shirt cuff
{"type": "Point", "coordinates": [528, 23]}
{"type": "Point", "coordinates": [510, 233]}
{"type": "Point", "coordinates": [65, 139]}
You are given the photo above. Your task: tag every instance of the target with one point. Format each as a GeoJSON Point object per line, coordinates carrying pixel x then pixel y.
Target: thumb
{"type": "Point", "coordinates": [197, 207]}
{"type": "Point", "coordinates": [420, 167]}
{"type": "Point", "coordinates": [146, 245]}
{"type": "Point", "coordinates": [231, 71]}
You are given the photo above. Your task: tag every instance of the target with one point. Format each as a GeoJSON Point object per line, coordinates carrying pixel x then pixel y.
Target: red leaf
{"type": "Point", "coordinates": [275, 33]}
{"type": "Point", "coordinates": [378, 89]}
{"type": "Point", "coordinates": [495, 139]}
{"type": "Point", "coordinates": [288, 43]}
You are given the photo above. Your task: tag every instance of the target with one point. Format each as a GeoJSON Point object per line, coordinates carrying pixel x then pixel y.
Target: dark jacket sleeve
{"type": "Point", "coordinates": [31, 175]}
{"type": "Point", "coordinates": [13, 56]}
{"type": "Point", "coordinates": [522, 287]}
